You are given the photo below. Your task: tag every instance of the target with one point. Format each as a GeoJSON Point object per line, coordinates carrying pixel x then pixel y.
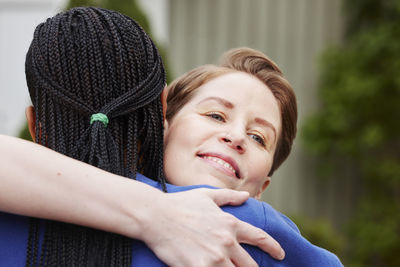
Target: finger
{"type": "Point", "coordinates": [240, 257]}
{"type": "Point", "coordinates": [227, 196]}
{"type": "Point", "coordinates": [251, 235]}
{"type": "Point", "coordinates": [225, 263]}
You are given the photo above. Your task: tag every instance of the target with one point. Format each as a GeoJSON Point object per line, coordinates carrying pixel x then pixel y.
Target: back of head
{"type": "Point", "coordinates": [256, 63]}
{"type": "Point", "coordinates": [87, 61]}
{"type": "Point", "coordinates": [95, 80]}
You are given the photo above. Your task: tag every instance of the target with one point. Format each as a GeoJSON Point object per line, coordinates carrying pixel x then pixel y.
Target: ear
{"type": "Point", "coordinates": [31, 119]}
{"type": "Point", "coordinates": [166, 125]}
{"type": "Point", "coordinates": [262, 188]}
{"type": "Point", "coordinates": [164, 95]}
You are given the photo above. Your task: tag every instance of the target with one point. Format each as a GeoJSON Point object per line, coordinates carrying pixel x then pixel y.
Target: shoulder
{"type": "Point", "coordinates": [274, 219]}
{"type": "Point", "coordinates": [14, 236]}
{"type": "Point", "coordinates": [299, 251]}
{"type": "Point", "coordinates": [170, 187]}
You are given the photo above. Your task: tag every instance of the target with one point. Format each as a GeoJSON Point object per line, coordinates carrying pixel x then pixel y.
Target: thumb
{"type": "Point", "coordinates": [223, 197]}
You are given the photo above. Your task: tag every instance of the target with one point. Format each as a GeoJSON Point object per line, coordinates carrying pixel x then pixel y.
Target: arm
{"type": "Point", "coordinates": [188, 226]}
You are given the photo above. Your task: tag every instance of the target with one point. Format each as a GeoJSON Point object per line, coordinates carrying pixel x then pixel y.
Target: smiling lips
{"type": "Point", "coordinates": [223, 161]}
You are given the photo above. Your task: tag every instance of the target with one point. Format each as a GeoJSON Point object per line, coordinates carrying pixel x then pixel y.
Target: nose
{"type": "Point", "coordinates": [234, 141]}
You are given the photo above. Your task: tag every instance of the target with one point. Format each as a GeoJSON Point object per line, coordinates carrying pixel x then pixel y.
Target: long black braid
{"type": "Point", "coordinates": [81, 62]}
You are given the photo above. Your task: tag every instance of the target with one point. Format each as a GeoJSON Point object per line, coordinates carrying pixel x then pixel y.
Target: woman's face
{"type": "Point", "coordinates": [225, 136]}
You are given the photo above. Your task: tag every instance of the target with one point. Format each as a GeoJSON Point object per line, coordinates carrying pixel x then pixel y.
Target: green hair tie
{"type": "Point", "coordinates": [99, 117]}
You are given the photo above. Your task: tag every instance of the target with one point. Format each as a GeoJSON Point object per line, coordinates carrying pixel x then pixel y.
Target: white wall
{"type": "Point", "coordinates": [18, 19]}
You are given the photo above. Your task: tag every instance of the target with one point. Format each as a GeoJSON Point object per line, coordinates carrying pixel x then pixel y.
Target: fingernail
{"type": "Point", "coordinates": [281, 254]}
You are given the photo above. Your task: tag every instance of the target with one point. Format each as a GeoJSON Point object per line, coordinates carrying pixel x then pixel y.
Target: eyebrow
{"type": "Point", "coordinates": [220, 100]}
{"type": "Point", "coordinates": [229, 105]}
{"type": "Point", "coordinates": [266, 124]}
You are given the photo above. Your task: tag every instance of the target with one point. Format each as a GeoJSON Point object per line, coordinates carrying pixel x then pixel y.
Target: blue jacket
{"type": "Point", "coordinates": [299, 252]}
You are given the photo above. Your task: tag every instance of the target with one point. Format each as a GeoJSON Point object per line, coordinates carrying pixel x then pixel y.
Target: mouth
{"type": "Point", "coordinates": [225, 162]}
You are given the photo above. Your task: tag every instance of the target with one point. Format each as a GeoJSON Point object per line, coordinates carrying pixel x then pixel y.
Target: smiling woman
{"type": "Point", "coordinates": [229, 126]}
{"type": "Point", "coordinates": [224, 136]}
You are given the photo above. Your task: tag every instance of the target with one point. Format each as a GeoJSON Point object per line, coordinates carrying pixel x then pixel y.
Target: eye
{"type": "Point", "coordinates": [216, 116]}
{"type": "Point", "coordinates": [259, 139]}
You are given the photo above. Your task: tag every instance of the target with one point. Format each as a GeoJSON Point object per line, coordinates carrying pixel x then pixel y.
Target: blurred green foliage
{"type": "Point", "coordinates": [24, 133]}
{"type": "Point", "coordinates": [321, 233]}
{"type": "Point", "coordinates": [355, 133]}
{"type": "Point", "coordinates": [126, 7]}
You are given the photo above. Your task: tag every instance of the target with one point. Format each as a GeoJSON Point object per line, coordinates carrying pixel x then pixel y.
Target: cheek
{"type": "Point", "coordinates": [185, 132]}
{"type": "Point", "coordinates": [172, 163]}
{"type": "Point", "coordinates": [259, 168]}
{"type": "Point", "coordinates": [180, 144]}
{"type": "Point", "coordinates": [177, 139]}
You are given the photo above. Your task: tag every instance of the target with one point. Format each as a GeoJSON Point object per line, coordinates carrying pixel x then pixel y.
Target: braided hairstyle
{"type": "Point", "coordinates": [82, 62]}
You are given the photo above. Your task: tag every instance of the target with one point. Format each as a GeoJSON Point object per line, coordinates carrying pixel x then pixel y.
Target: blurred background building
{"type": "Point", "coordinates": [293, 34]}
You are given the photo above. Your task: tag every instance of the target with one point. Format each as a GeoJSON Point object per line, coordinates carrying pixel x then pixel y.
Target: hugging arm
{"type": "Point", "coordinates": [189, 226]}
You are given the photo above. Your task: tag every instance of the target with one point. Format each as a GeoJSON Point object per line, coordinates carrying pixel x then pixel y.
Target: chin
{"type": "Point", "coordinates": [219, 184]}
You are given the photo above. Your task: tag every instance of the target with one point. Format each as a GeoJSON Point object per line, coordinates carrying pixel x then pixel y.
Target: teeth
{"type": "Point", "coordinates": [221, 162]}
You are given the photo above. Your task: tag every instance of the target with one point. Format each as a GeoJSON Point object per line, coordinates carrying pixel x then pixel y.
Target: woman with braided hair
{"type": "Point", "coordinates": [88, 108]}
{"type": "Point", "coordinates": [95, 80]}
{"type": "Point", "coordinates": [72, 78]}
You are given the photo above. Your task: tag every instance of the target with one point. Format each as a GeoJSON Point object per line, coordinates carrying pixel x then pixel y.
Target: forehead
{"type": "Point", "coordinates": [246, 92]}
{"type": "Point", "coordinates": [234, 82]}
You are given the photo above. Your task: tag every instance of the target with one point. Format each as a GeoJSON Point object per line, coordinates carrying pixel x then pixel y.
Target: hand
{"type": "Point", "coordinates": [190, 229]}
